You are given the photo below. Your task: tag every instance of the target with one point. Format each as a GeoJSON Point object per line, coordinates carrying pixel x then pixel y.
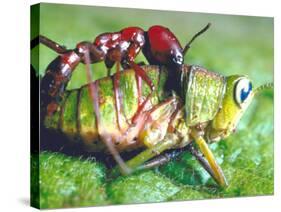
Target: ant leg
{"type": "Point", "coordinates": [123, 167]}
{"type": "Point", "coordinates": [107, 140]}
{"type": "Point", "coordinates": [140, 73]}
{"type": "Point", "coordinates": [113, 56]}
{"type": "Point", "coordinates": [188, 45]}
{"type": "Point", "coordinates": [49, 43]}
{"type": "Point", "coordinates": [117, 94]}
{"type": "Point", "coordinates": [156, 120]}
{"type": "Point", "coordinates": [109, 64]}
{"type": "Point", "coordinates": [168, 156]}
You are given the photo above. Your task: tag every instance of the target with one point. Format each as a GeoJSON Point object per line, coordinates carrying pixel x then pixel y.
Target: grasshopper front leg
{"type": "Point", "coordinates": [212, 167]}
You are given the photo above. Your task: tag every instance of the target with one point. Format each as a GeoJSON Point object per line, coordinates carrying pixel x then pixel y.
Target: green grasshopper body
{"type": "Point", "coordinates": [163, 114]}
{"type": "Point", "coordinates": [206, 108]}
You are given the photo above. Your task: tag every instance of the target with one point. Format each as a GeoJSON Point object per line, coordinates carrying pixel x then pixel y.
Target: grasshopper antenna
{"type": "Point", "coordinates": [188, 45]}
{"type": "Point", "coordinates": [263, 87]}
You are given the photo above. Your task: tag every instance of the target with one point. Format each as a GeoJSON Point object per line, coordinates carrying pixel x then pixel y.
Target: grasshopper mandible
{"type": "Point", "coordinates": [189, 105]}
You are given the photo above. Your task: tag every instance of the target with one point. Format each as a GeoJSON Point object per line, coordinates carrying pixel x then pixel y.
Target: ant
{"type": "Point", "coordinates": [159, 46]}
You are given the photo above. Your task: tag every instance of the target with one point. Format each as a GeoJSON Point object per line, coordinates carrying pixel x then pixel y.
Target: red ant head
{"type": "Point", "coordinates": [163, 47]}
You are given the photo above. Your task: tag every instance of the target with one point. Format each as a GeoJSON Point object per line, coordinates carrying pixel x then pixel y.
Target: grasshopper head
{"type": "Point", "coordinates": [238, 95]}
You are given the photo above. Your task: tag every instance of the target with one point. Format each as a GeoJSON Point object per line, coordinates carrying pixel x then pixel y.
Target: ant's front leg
{"type": "Point", "coordinates": [133, 50]}
{"type": "Point", "coordinates": [128, 62]}
{"type": "Point", "coordinates": [141, 75]}
{"type": "Point", "coordinates": [114, 56]}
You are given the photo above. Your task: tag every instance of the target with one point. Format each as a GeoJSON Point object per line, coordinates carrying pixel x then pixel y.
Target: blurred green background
{"type": "Point", "coordinates": [233, 45]}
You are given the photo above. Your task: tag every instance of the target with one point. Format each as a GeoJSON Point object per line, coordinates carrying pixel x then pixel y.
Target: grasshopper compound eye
{"type": "Point", "coordinates": [242, 91]}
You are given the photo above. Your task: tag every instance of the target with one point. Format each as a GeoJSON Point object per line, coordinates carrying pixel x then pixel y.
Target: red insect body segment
{"type": "Point", "coordinates": [128, 41]}
{"type": "Point", "coordinates": [54, 82]}
{"type": "Point", "coordinates": [133, 34]}
{"type": "Point", "coordinates": [162, 47]}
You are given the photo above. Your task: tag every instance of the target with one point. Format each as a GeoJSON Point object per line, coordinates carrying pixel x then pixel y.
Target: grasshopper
{"type": "Point", "coordinates": [202, 108]}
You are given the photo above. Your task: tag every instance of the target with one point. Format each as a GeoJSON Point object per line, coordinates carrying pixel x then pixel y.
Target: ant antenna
{"type": "Point", "coordinates": [187, 46]}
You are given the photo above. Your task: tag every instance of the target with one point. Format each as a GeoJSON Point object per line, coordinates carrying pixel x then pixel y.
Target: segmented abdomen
{"type": "Point", "coordinates": [85, 115]}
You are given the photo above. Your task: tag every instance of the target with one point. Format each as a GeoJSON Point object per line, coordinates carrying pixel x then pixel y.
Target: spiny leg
{"type": "Point", "coordinates": [163, 158]}
{"type": "Point", "coordinates": [188, 45]}
{"type": "Point", "coordinates": [201, 160]}
{"type": "Point", "coordinates": [214, 167]}
{"type": "Point", "coordinates": [173, 154]}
